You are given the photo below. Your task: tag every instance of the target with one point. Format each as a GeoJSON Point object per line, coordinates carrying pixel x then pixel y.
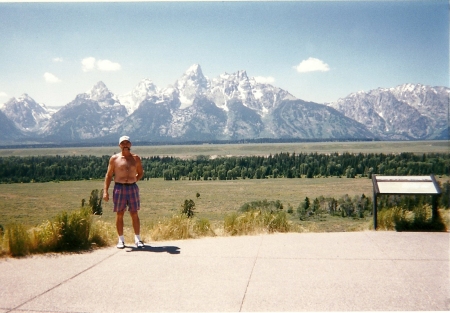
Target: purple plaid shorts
{"type": "Point", "coordinates": [126, 195]}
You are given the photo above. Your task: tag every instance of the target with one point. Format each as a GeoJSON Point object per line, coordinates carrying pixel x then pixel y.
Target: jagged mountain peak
{"type": "Point", "coordinates": [193, 83]}
{"type": "Point", "coordinates": [408, 111]}
{"type": "Point", "coordinates": [144, 90]}
{"type": "Point", "coordinates": [25, 101]}
{"type": "Point", "coordinates": [99, 91]}
{"type": "Point", "coordinates": [195, 70]}
{"type": "Point", "coordinates": [25, 97]}
{"type": "Point", "coordinates": [234, 106]}
{"type": "Point", "coordinates": [26, 113]}
{"type": "Point", "coordinates": [101, 94]}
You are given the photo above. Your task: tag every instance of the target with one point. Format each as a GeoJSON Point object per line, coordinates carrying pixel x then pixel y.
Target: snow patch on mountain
{"type": "Point", "coordinates": [144, 90]}
{"type": "Point", "coordinates": [192, 84]}
{"type": "Point", "coordinates": [408, 111]}
{"type": "Point", "coordinates": [102, 95]}
{"type": "Point", "coordinates": [26, 113]}
{"type": "Point", "coordinates": [232, 106]}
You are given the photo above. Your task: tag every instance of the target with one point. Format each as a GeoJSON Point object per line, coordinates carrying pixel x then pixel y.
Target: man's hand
{"type": "Point", "coordinates": [106, 196]}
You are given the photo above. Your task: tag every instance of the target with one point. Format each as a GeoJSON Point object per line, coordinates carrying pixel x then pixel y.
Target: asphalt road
{"type": "Point", "coordinates": [360, 271]}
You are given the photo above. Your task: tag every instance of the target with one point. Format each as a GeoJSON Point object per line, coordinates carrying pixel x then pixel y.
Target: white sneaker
{"type": "Point", "coordinates": [139, 244]}
{"type": "Point", "coordinates": [120, 245]}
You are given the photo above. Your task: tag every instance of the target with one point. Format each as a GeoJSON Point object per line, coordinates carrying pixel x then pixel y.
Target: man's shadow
{"type": "Point", "coordinates": [168, 249]}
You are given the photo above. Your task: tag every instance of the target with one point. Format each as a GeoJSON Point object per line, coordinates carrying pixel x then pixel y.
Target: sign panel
{"type": "Point", "coordinates": [406, 185]}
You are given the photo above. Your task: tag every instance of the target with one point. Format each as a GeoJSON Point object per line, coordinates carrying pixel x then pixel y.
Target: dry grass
{"type": "Point", "coordinates": [187, 151]}
{"type": "Point", "coordinates": [31, 204]}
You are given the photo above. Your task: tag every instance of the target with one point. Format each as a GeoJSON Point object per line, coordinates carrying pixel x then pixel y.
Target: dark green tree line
{"type": "Point", "coordinates": [288, 165]}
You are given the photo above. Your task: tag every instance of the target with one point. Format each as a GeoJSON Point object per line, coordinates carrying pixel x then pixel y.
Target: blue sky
{"type": "Point", "coordinates": [317, 50]}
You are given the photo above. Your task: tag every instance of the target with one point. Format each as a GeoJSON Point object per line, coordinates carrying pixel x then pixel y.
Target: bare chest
{"type": "Point", "coordinates": [125, 165]}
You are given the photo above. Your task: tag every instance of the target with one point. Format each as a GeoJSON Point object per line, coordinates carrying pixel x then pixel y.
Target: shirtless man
{"type": "Point", "coordinates": [127, 170]}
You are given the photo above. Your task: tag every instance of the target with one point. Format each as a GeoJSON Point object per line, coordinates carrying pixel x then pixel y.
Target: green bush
{"type": "Point", "coordinates": [418, 219]}
{"type": "Point", "coordinates": [175, 228]}
{"type": "Point", "coordinates": [256, 221]}
{"type": "Point", "coordinates": [387, 219]}
{"type": "Point", "coordinates": [95, 202]}
{"type": "Point", "coordinates": [74, 230]}
{"type": "Point", "coordinates": [278, 222]}
{"type": "Point", "coordinates": [188, 208]}
{"type": "Point", "coordinates": [68, 232]}
{"type": "Point", "coordinates": [422, 221]}
{"type": "Point", "coordinates": [262, 205]}
{"type": "Point", "coordinates": [101, 233]}
{"type": "Point", "coordinates": [202, 227]}
{"type": "Point", "coordinates": [18, 240]}
{"type": "Point", "coordinates": [45, 237]}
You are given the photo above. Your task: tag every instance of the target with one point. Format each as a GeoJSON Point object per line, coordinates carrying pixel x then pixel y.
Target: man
{"type": "Point", "coordinates": [127, 170]}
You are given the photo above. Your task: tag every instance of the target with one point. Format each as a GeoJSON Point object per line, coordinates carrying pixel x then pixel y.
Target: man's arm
{"type": "Point", "coordinates": [139, 169]}
{"type": "Point", "coordinates": [108, 178]}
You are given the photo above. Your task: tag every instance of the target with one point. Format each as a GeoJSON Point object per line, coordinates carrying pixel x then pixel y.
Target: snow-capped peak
{"type": "Point", "coordinates": [190, 85]}
{"type": "Point", "coordinates": [144, 90]}
{"type": "Point", "coordinates": [102, 95]}
{"type": "Point", "coordinates": [195, 68]}
{"type": "Point", "coordinates": [26, 113]}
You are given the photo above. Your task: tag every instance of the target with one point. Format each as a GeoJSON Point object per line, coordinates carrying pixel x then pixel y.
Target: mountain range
{"type": "Point", "coordinates": [228, 107]}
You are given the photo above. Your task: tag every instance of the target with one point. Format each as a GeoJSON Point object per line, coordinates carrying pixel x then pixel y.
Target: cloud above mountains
{"type": "Point", "coordinates": [50, 78]}
{"type": "Point", "coordinates": [90, 63]}
{"type": "Point", "coordinates": [312, 65]}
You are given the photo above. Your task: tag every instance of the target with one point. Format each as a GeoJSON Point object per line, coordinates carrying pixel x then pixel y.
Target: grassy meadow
{"type": "Point", "coordinates": [189, 151]}
{"type": "Point", "coordinates": [32, 204]}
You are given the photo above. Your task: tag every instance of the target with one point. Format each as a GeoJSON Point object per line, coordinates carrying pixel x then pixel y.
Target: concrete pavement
{"type": "Point", "coordinates": [360, 271]}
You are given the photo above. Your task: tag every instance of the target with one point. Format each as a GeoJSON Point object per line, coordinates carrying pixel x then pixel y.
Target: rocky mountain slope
{"type": "Point", "coordinates": [228, 107]}
{"type": "Point", "coordinates": [404, 112]}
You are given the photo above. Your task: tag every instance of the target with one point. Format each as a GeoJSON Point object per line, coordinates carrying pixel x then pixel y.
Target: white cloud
{"type": "Point", "coordinates": [264, 80]}
{"type": "Point", "coordinates": [312, 65]}
{"type": "Point", "coordinates": [90, 63]}
{"type": "Point", "coordinates": [57, 60]}
{"type": "Point", "coordinates": [3, 94]}
{"type": "Point", "coordinates": [107, 65]}
{"type": "Point", "coordinates": [50, 78]}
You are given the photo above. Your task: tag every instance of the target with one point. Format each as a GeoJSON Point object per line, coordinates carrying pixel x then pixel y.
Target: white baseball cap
{"type": "Point", "coordinates": [124, 138]}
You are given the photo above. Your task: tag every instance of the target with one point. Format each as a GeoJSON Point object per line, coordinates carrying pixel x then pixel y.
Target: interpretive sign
{"type": "Point", "coordinates": [404, 185]}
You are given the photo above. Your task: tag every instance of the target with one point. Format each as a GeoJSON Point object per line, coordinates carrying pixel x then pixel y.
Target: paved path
{"type": "Point", "coordinates": [361, 271]}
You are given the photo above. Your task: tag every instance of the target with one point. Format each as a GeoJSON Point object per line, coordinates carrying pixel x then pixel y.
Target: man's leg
{"type": "Point", "coordinates": [119, 227]}
{"type": "Point", "coordinates": [136, 222]}
{"type": "Point", "coordinates": [137, 229]}
{"type": "Point", "coordinates": [119, 223]}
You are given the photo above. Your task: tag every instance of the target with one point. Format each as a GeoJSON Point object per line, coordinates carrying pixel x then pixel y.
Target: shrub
{"type": "Point", "coordinates": [74, 230]}
{"type": "Point", "coordinates": [188, 208]}
{"type": "Point", "coordinates": [388, 218]}
{"type": "Point", "coordinates": [262, 205]}
{"type": "Point", "coordinates": [422, 221]}
{"type": "Point", "coordinates": [95, 202]}
{"type": "Point", "coordinates": [101, 233]}
{"type": "Point", "coordinates": [202, 227]}
{"type": "Point", "coordinates": [68, 232]}
{"type": "Point", "coordinates": [45, 237]}
{"type": "Point", "coordinates": [277, 222]}
{"type": "Point", "coordinates": [18, 240]}
{"type": "Point", "coordinates": [419, 219]}
{"type": "Point", "coordinates": [256, 221]}
{"type": "Point", "coordinates": [177, 227]}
